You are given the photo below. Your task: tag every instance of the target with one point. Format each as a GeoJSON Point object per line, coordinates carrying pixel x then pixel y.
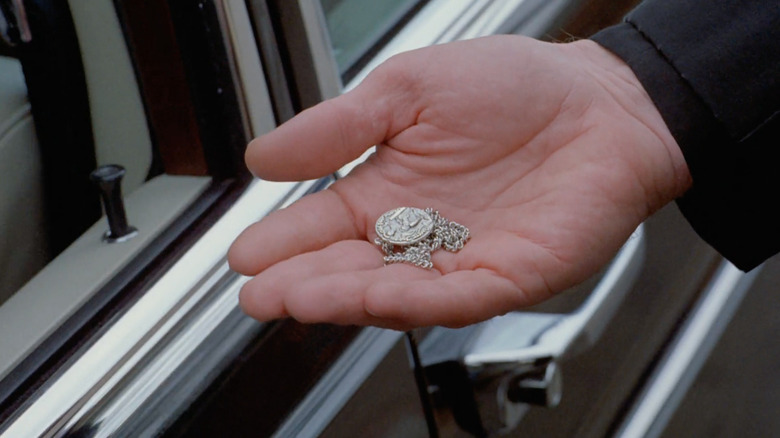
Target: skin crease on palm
{"type": "Point", "coordinates": [551, 154]}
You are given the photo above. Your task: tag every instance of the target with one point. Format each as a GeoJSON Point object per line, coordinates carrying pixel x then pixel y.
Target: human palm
{"type": "Point", "coordinates": [551, 154]}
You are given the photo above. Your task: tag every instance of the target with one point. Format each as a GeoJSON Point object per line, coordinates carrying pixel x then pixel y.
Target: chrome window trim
{"type": "Point", "coordinates": [111, 412]}
{"type": "Point", "coordinates": [153, 375]}
{"type": "Point", "coordinates": [442, 21]}
{"type": "Point", "coordinates": [253, 91]}
{"type": "Point", "coordinates": [327, 72]}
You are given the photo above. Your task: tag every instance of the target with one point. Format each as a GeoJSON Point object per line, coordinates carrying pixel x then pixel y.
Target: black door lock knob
{"type": "Point", "coordinates": [108, 180]}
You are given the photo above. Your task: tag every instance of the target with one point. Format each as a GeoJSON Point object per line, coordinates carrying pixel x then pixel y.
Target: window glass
{"type": "Point", "coordinates": [60, 261]}
{"type": "Point", "coordinates": [357, 27]}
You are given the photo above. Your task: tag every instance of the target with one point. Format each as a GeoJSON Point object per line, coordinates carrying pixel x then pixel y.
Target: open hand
{"type": "Point", "coordinates": [551, 154]}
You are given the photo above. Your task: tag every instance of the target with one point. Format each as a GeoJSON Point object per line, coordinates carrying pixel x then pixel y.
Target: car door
{"type": "Point", "coordinates": [144, 337]}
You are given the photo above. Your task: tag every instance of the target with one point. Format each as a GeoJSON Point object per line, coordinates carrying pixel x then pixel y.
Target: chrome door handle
{"type": "Point", "coordinates": [557, 335]}
{"type": "Point", "coordinates": [493, 370]}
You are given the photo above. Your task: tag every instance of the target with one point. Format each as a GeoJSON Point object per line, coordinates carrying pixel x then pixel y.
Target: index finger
{"type": "Point", "coordinates": [311, 223]}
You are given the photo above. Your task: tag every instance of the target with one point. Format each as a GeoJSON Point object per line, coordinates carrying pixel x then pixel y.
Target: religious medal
{"type": "Point", "coordinates": [410, 235]}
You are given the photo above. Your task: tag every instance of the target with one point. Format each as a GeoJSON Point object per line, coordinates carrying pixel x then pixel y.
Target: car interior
{"type": "Point", "coordinates": [50, 225]}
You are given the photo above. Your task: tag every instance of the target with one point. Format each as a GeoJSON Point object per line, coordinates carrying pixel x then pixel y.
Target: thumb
{"type": "Point", "coordinates": [323, 138]}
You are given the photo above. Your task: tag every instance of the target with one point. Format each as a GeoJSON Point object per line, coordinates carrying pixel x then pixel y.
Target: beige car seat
{"type": "Point", "coordinates": [23, 245]}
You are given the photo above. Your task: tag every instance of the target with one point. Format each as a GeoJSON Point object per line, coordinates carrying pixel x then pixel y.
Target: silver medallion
{"type": "Point", "coordinates": [410, 235]}
{"type": "Point", "coordinates": [404, 226]}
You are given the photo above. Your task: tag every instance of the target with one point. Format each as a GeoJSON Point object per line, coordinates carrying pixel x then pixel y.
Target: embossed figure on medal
{"type": "Point", "coordinates": [410, 235]}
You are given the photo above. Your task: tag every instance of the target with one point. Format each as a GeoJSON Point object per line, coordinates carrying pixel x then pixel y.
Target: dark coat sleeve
{"type": "Point", "coordinates": [712, 69]}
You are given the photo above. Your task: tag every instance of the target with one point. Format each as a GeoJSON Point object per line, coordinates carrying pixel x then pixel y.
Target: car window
{"type": "Point", "coordinates": [357, 27]}
{"type": "Point", "coordinates": [165, 300]}
{"type": "Point", "coordinates": [159, 115]}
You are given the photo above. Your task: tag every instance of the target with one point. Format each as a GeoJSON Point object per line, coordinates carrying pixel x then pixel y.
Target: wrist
{"type": "Point", "coordinates": [661, 161]}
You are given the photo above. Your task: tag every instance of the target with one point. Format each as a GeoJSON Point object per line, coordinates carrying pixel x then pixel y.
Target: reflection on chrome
{"type": "Point", "coordinates": [442, 21]}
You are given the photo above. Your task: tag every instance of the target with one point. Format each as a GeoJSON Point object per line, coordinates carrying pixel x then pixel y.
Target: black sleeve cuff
{"type": "Point", "coordinates": [731, 151]}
